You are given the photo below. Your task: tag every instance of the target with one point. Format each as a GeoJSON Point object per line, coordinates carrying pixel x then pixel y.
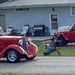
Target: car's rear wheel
{"type": "Point", "coordinates": [63, 41]}
{"type": "Point", "coordinates": [12, 56]}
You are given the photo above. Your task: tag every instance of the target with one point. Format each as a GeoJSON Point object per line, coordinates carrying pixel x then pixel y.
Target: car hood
{"type": "Point", "coordinates": [63, 31]}
{"type": "Point", "coordinates": [63, 28]}
{"type": "Point", "coordinates": [11, 37]}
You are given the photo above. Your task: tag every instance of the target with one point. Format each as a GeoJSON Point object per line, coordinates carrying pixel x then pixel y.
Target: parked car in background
{"type": "Point", "coordinates": [15, 48]}
{"type": "Point", "coordinates": [67, 34]}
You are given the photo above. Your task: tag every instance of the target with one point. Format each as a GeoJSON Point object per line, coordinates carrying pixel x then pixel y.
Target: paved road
{"type": "Point", "coordinates": [41, 65]}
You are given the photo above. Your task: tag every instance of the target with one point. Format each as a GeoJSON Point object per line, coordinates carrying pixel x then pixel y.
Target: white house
{"type": "Point", "coordinates": [51, 13]}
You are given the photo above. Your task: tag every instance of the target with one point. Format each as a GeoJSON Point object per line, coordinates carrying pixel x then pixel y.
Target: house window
{"type": "Point", "coordinates": [73, 11]}
{"type": "Point", "coordinates": [54, 21]}
{"type": "Point", "coordinates": [22, 9]}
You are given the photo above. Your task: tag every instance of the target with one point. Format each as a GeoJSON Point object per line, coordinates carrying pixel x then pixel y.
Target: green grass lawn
{"type": "Point", "coordinates": [23, 74]}
{"type": "Point", "coordinates": [14, 74]}
{"type": "Point", "coordinates": [65, 51]}
{"type": "Point", "coordinates": [20, 74]}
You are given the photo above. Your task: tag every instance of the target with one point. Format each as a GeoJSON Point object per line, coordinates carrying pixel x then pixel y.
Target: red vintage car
{"type": "Point", "coordinates": [67, 34]}
{"type": "Point", "coordinates": [14, 48]}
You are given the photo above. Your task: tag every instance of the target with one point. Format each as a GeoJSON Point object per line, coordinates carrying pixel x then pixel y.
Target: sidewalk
{"type": "Point", "coordinates": [40, 38]}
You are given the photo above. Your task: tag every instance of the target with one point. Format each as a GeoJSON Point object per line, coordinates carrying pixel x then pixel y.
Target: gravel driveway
{"type": "Point", "coordinates": [41, 65]}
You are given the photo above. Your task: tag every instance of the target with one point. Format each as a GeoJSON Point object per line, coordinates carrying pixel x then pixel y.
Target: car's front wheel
{"type": "Point", "coordinates": [12, 56]}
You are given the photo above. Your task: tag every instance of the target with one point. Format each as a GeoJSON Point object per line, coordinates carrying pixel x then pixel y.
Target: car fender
{"type": "Point", "coordinates": [16, 47]}
{"type": "Point", "coordinates": [64, 36]}
{"type": "Point", "coordinates": [33, 49]}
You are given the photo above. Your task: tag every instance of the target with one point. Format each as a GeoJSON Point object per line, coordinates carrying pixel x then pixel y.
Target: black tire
{"type": "Point", "coordinates": [12, 56]}
{"type": "Point", "coordinates": [63, 41]}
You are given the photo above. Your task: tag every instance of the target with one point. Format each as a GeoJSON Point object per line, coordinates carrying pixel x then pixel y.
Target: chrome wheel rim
{"type": "Point", "coordinates": [12, 56]}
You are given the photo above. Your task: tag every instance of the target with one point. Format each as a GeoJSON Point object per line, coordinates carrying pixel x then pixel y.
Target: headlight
{"type": "Point", "coordinates": [21, 42]}
{"type": "Point", "coordinates": [29, 40]}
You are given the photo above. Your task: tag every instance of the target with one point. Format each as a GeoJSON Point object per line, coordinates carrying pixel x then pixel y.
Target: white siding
{"type": "Point", "coordinates": [2, 20]}
{"type": "Point", "coordinates": [39, 16]}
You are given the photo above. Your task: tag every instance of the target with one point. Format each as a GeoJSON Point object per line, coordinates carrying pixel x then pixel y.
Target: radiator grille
{"type": "Point", "coordinates": [24, 46]}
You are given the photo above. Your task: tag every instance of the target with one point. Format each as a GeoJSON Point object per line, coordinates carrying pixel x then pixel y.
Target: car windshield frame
{"type": "Point", "coordinates": [70, 26]}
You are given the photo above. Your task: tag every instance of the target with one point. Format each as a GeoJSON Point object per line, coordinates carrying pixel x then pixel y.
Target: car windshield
{"type": "Point", "coordinates": [63, 28]}
{"type": "Point", "coordinates": [1, 31]}
{"type": "Point", "coordinates": [66, 27]}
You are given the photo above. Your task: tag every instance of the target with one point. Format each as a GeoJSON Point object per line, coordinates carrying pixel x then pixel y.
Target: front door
{"type": "Point", "coordinates": [54, 23]}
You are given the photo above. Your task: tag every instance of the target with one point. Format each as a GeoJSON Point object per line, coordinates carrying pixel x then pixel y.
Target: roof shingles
{"type": "Point", "coordinates": [18, 3]}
